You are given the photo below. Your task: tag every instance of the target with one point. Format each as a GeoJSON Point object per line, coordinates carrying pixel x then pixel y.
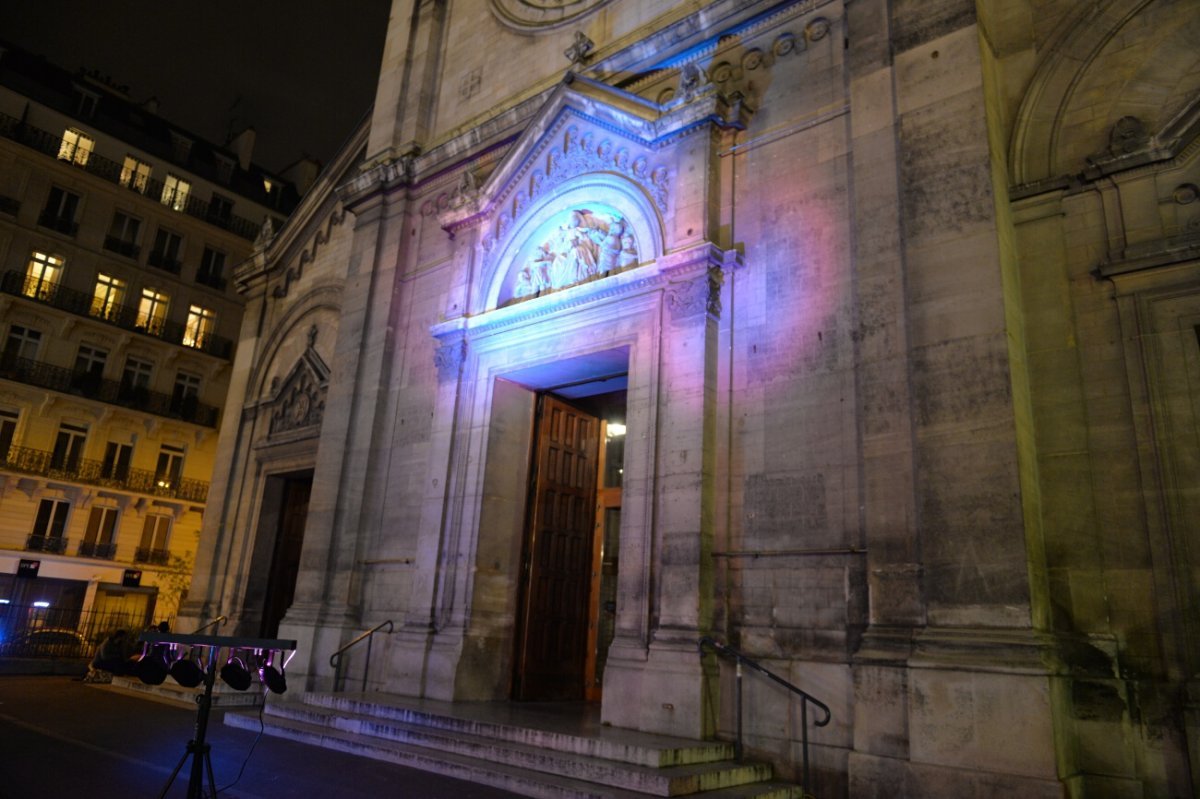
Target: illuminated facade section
{"type": "Point", "coordinates": [107, 417]}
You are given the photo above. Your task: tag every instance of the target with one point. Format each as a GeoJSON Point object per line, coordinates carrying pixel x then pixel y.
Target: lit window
{"type": "Point", "coordinates": [199, 326]}
{"type": "Point", "coordinates": [175, 192]}
{"type": "Point", "coordinates": [268, 186]}
{"type": "Point", "coordinates": [22, 342]}
{"type": "Point", "coordinates": [106, 301]}
{"type": "Point", "coordinates": [135, 174]}
{"type": "Point", "coordinates": [169, 468]}
{"type": "Point", "coordinates": [41, 276]}
{"type": "Point", "coordinates": [76, 146]}
{"type": "Point", "coordinates": [152, 311]}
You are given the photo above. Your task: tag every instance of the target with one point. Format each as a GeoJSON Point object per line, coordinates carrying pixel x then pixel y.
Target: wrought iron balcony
{"type": "Point", "coordinates": [125, 317]}
{"type": "Point", "coordinates": [121, 247]}
{"type": "Point", "coordinates": [62, 224]}
{"type": "Point", "coordinates": [93, 472]}
{"type": "Point", "coordinates": [51, 145]}
{"type": "Point", "coordinates": [164, 262]}
{"type": "Point", "coordinates": [92, 549]}
{"type": "Point", "coordinates": [213, 281]}
{"type": "Point", "coordinates": [46, 543]}
{"type": "Point", "coordinates": [113, 392]}
{"type": "Point", "coordinates": [151, 555]}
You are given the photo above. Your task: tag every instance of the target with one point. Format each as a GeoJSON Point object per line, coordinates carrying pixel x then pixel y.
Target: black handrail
{"type": "Point", "coordinates": [335, 659]}
{"type": "Point", "coordinates": [805, 698]}
{"type": "Point", "coordinates": [214, 623]}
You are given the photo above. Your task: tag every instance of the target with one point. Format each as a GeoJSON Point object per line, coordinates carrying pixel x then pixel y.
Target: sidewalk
{"type": "Point", "coordinates": [62, 738]}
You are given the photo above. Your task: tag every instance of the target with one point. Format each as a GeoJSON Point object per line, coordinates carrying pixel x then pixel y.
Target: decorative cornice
{"type": "Point", "coordinates": [700, 295]}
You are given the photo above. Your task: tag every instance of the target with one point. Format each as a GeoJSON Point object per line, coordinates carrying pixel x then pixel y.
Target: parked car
{"type": "Point", "coordinates": [45, 643]}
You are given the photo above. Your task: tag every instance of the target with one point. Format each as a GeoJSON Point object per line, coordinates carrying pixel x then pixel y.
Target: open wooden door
{"type": "Point", "coordinates": [553, 637]}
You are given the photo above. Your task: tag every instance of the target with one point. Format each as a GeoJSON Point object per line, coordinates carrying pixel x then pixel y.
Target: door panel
{"type": "Point", "coordinates": [552, 644]}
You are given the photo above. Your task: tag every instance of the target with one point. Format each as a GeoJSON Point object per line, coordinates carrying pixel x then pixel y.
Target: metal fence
{"type": "Point", "coordinates": [30, 631]}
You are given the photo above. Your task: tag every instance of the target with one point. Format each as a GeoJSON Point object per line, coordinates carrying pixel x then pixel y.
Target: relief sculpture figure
{"type": "Point", "coordinates": [584, 246]}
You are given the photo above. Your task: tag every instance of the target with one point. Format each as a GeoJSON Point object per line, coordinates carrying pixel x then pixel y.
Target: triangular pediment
{"type": "Point", "coordinates": [298, 401]}
{"type": "Point", "coordinates": [584, 191]}
{"type": "Point", "coordinates": [586, 125]}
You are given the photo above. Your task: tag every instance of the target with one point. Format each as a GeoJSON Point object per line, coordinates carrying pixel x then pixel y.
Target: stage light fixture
{"type": "Point", "coordinates": [273, 678]}
{"type": "Point", "coordinates": [235, 674]}
{"type": "Point", "coordinates": [151, 668]}
{"type": "Point", "coordinates": [187, 672]}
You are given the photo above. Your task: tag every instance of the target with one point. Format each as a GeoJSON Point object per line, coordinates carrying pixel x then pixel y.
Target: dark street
{"type": "Point", "coordinates": [62, 738]}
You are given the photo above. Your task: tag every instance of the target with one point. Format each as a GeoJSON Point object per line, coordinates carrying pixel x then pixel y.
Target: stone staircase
{"type": "Point", "coordinates": [554, 751]}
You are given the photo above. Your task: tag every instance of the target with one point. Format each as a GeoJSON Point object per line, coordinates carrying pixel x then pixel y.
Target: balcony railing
{"type": "Point", "coordinates": [149, 555]}
{"type": "Point", "coordinates": [54, 544]}
{"type": "Point", "coordinates": [164, 262]}
{"type": "Point", "coordinates": [62, 224]}
{"type": "Point", "coordinates": [113, 392]}
{"type": "Point", "coordinates": [126, 317]}
{"type": "Point", "coordinates": [92, 549]}
{"type": "Point", "coordinates": [93, 472]}
{"type": "Point", "coordinates": [212, 281]}
{"type": "Point", "coordinates": [51, 145]}
{"type": "Point", "coordinates": [121, 247]}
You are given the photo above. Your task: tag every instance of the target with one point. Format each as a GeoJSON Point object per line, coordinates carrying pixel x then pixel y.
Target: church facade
{"type": "Point", "coordinates": [861, 336]}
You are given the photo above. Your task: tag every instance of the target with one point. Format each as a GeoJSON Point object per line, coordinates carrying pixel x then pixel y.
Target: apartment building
{"type": "Point", "coordinates": [118, 233]}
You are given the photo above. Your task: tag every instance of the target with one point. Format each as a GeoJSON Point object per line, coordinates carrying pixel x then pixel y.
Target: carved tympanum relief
{"type": "Point", "coordinates": [575, 246]}
{"type": "Point", "coordinates": [532, 15]}
{"type": "Point", "coordinates": [299, 399]}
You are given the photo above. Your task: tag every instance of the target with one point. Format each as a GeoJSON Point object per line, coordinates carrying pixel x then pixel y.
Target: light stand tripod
{"type": "Point", "coordinates": [198, 748]}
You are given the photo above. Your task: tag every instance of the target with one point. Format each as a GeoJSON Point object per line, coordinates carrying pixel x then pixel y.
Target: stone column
{"type": "Point", "coordinates": [667, 677]}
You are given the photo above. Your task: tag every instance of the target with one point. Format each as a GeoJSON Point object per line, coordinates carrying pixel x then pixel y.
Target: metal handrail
{"type": "Point", "coordinates": [805, 698]}
{"type": "Point", "coordinates": [214, 623]}
{"type": "Point", "coordinates": [335, 659]}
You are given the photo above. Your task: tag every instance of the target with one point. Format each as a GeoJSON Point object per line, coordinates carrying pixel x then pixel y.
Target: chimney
{"type": "Point", "coordinates": [243, 145]}
{"type": "Point", "coordinates": [302, 174]}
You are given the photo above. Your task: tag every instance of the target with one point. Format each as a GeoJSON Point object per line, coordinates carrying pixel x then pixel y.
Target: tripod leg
{"type": "Point", "coordinates": [174, 774]}
{"type": "Point", "coordinates": [212, 782]}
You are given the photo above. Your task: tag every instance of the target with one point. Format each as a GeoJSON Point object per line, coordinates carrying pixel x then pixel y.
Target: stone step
{"type": "Point", "coordinates": [624, 746]}
{"type": "Point", "coordinates": [646, 780]}
{"type": "Point", "coordinates": [501, 775]}
{"type": "Point", "coordinates": [173, 693]}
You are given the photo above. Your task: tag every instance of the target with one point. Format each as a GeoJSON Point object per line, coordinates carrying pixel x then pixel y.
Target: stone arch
{"type": "Point", "coordinates": [1086, 58]}
{"type": "Point", "coordinates": [612, 193]}
{"type": "Point", "coordinates": [323, 302]}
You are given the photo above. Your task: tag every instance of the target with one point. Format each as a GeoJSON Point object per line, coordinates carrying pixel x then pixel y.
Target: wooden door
{"type": "Point", "coordinates": [552, 642]}
{"type": "Point", "coordinates": [285, 560]}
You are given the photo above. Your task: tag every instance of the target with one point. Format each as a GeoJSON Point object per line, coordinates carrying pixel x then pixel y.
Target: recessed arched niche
{"type": "Point", "coordinates": [594, 228]}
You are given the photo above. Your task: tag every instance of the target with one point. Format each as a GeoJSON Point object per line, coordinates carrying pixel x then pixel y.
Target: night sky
{"type": "Point", "coordinates": [301, 72]}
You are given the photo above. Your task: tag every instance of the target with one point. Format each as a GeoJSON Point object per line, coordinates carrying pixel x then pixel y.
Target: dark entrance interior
{"type": "Point", "coordinates": [291, 492]}
{"type": "Point", "coordinates": [568, 601]}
